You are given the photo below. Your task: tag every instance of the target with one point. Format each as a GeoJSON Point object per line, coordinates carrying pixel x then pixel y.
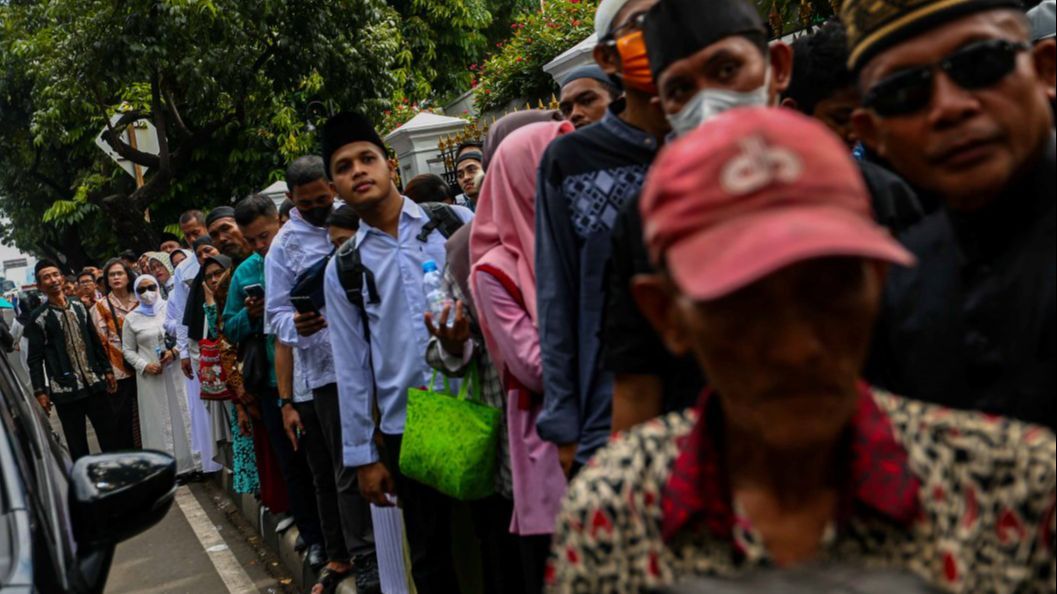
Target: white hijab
{"type": "Point", "coordinates": [144, 308]}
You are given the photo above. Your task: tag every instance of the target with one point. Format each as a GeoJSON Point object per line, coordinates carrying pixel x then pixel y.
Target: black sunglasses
{"type": "Point", "coordinates": [146, 288]}
{"type": "Point", "coordinates": [975, 66]}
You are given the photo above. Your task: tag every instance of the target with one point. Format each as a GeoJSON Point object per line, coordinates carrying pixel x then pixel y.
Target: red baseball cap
{"type": "Point", "coordinates": [753, 191]}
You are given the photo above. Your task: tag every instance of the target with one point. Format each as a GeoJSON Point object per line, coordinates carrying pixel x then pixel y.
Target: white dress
{"type": "Point", "coordinates": [163, 416]}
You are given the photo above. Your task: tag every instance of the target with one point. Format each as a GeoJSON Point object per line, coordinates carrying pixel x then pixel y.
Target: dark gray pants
{"type": "Point", "coordinates": [344, 514]}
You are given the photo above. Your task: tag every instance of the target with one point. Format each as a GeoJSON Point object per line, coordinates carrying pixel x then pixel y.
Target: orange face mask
{"type": "Point", "coordinates": [636, 63]}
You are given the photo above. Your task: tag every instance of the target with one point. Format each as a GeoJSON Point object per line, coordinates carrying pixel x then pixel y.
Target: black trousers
{"type": "Point", "coordinates": [501, 559]}
{"type": "Point", "coordinates": [122, 403]}
{"type": "Point", "coordinates": [294, 468]}
{"type": "Point", "coordinates": [72, 414]}
{"type": "Point", "coordinates": [534, 553]}
{"type": "Point", "coordinates": [344, 514]}
{"type": "Point", "coordinates": [427, 521]}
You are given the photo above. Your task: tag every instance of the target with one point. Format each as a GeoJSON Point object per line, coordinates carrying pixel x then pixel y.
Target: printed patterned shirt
{"type": "Point", "coordinates": [964, 501]}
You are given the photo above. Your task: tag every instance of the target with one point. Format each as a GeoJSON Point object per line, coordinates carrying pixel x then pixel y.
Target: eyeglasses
{"type": "Point", "coordinates": [975, 66]}
{"type": "Point", "coordinates": [635, 22]}
{"type": "Point", "coordinates": [145, 288]}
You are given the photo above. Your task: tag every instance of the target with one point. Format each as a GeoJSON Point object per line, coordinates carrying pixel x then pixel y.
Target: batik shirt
{"type": "Point", "coordinates": [585, 178]}
{"type": "Point", "coordinates": [962, 500]}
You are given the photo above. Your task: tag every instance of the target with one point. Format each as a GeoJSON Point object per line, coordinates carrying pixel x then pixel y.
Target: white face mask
{"type": "Point", "coordinates": [708, 103]}
{"type": "Point", "coordinates": [149, 298]}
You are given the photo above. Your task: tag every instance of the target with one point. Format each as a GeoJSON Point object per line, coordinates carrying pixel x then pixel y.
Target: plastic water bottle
{"type": "Point", "coordinates": [437, 297]}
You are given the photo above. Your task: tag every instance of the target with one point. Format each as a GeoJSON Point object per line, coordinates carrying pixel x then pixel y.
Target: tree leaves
{"type": "Point", "coordinates": [229, 81]}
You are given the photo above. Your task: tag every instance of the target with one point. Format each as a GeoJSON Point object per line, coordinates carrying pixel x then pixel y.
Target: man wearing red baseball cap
{"type": "Point", "coordinates": [772, 270]}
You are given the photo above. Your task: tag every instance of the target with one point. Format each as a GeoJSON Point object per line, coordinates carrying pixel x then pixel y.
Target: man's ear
{"type": "Point", "coordinates": [781, 68]}
{"type": "Point", "coordinates": [606, 58]}
{"type": "Point", "coordinates": [1045, 56]}
{"type": "Point", "coordinates": [655, 300]}
{"type": "Point", "coordinates": [789, 103]}
{"type": "Point", "coordinates": [864, 122]}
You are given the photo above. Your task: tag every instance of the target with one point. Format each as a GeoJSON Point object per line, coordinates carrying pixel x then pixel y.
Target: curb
{"type": "Point", "coordinates": [282, 544]}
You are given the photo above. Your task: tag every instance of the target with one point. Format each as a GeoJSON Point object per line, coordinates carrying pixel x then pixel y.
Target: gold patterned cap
{"type": "Point", "coordinates": [873, 26]}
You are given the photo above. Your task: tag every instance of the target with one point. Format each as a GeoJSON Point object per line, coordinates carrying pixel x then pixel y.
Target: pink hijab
{"type": "Point", "coordinates": [503, 236]}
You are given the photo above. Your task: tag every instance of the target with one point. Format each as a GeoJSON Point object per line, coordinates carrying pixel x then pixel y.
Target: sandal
{"type": "Point", "coordinates": [330, 578]}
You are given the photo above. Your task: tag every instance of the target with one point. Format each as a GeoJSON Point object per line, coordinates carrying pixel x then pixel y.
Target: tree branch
{"type": "Point", "coordinates": [47, 181]}
{"type": "Point", "coordinates": [112, 136]}
{"type": "Point", "coordinates": [162, 176]}
{"type": "Point", "coordinates": [177, 119]}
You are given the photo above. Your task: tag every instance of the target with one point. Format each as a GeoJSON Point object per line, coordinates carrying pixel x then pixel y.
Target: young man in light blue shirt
{"type": "Point", "coordinates": [378, 361]}
{"type": "Point", "coordinates": [300, 245]}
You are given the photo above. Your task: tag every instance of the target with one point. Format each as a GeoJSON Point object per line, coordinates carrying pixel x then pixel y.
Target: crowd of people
{"type": "Point", "coordinates": [756, 316]}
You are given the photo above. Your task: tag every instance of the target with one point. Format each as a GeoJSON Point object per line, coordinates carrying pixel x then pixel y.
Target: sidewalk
{"type": "Point", "coordinates": [283, 544]}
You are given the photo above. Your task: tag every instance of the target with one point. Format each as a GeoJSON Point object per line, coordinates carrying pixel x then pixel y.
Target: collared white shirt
{"type": "Point", "coordinates": [296, 247]}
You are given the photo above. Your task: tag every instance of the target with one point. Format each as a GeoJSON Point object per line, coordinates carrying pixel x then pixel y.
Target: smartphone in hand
{"type": "Point", "coordinates": [254, 290]}
{"type": "Point", "coordinates": [303, 304]}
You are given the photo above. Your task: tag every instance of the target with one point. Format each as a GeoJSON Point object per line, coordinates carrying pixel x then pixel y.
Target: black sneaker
{"type": "Point", "coordinates": [316, 557]}
{"type": "Point", "coordinates": [366, 568]}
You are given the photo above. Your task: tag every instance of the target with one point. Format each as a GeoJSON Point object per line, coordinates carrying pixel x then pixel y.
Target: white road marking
{"type": "Point", "coordinates": [231, 572]}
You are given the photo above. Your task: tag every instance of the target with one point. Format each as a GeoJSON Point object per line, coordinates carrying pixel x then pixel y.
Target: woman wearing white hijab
{"type": "Point", "coordinates": [163, 416]}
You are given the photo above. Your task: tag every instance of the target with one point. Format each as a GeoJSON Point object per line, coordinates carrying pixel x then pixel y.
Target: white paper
{"type": "Point", "coordinates": [389, 546]}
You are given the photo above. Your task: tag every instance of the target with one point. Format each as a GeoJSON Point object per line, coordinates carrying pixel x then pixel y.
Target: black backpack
{"type": "Point", "coordinates": [354, 275]}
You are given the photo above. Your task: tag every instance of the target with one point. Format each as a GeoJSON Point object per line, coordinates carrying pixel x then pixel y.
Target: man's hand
{"type": "Point", "coordinates": [254, 307]}
{"type": "Point", "coordinates": [292, 425]}
{"type": "Point", "coordinates": [308, 324]}
{"type": "Point", "coordinates": [375, 482]}
{"type": "Point", "coordinates": [243, 419]}
{"type": "Point", "coordinates": [452, 339]}
{"type": "Point", "coordinates": [185, 366]}
{"type": "Point", "coordinates": [45, 402]}
{"type": "Point", "coordinates": [111, 384]}
{"type": "Point", "coordinates": [153, 369]}
{"type": "Point", "coordinates": [167, 357]}
{"type": "Point", "coordinates": [567, 456]}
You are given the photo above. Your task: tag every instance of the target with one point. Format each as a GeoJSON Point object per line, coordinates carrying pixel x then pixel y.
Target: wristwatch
{"type": "Point", "coordinates": [284, 401]}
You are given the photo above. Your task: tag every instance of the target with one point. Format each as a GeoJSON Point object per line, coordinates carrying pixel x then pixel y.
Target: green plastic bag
{"type": "Point", "coordinates": [450, 441]}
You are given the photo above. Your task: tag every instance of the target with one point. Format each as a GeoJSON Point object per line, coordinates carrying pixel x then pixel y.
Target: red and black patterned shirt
{"type": "Point", "coordinates": [963, 500]}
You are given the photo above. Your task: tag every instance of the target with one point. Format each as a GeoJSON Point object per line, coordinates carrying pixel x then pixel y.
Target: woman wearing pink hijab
{"type": "Point", "coordinates": [503, 283]}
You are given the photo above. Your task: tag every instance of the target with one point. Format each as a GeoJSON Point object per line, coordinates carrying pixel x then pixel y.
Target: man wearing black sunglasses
{"type": "Point", "coordinates": [957, 101]}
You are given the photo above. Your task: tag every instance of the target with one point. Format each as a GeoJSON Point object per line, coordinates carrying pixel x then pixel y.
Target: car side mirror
{"type": "Point", "coordinates": [114, 497]}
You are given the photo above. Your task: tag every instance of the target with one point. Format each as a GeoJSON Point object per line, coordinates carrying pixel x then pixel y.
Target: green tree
{"type": "Point", "coordinates": [515, 70]}
{"type": "Point", "coordinates": [225, 82]}
{"type": "Point", "coordinates": [440, 38]}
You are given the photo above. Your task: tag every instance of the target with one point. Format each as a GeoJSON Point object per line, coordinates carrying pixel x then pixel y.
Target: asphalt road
{"type": "Point", "coordinates": [202, 546]}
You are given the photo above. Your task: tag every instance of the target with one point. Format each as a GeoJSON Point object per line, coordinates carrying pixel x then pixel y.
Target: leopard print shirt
{"type": "Point", "coordinates": [986, 521]}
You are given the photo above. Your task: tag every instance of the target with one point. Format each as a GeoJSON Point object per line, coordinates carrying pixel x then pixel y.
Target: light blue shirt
{"type": "Point", "coordinates": [297, 246]}
{"type": "Point", "coordinates": [396, 358]}
{"type": "Point", "coordinates": [184, 274]}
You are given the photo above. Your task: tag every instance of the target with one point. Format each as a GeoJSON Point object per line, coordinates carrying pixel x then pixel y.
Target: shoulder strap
{"type": "Point", "coordinates": [353, 275]}
{"type": "Point", "coordinates": [441, 217]}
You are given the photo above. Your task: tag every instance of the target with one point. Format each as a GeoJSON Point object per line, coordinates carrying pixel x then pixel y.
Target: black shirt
{"type": "Point", "coordinates": [973, 324]}
{"type": "Point", "coordinates": [630, 344]}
